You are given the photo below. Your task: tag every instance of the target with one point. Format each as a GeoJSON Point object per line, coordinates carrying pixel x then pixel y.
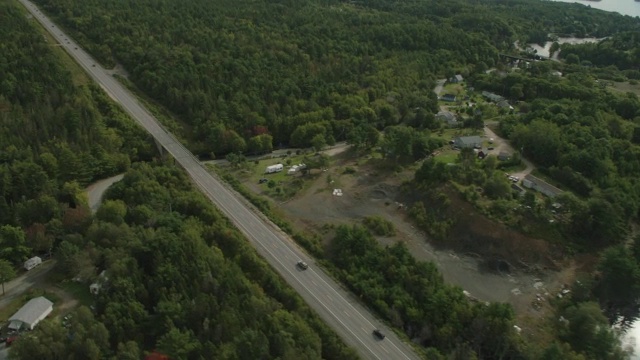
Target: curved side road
{"type": "Point", "coordinates": [349, 319]}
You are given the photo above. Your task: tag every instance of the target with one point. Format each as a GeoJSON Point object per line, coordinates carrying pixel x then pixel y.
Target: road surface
{"type": "Point", "coordinates": [500, 144]}
{"type": "Point", "coordinates": [24, 282]}
{"type": "Point", "coordinates": [97, 189]}
{"type": "Point", "coordinates": [439, 85]}
{"type": "Point", "coordinates": [347, 317]}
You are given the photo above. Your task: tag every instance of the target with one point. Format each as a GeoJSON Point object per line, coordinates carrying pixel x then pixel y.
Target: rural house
{"type": "Point", "coordinates": [448, 118]}
{"type": "Point", "coordinates": [31, 314]}
{"type": "Point", "coordinates": [448, 98]}
{"type": "Point", "coordinates": [467, 142]}
{"type": "Point", "coordinates": [492, 97]}
{"type": "Point", "coordinates": [540, 185]}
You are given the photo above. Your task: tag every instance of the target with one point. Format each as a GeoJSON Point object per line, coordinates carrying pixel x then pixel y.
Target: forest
{"type": "Point", "coordinates": [181, 280]}
{"type": "Point", "coordinates": [235, 70]}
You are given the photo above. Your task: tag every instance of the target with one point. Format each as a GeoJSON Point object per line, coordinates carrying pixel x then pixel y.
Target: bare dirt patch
{"type": "Point", "coordinates": [484, 258]}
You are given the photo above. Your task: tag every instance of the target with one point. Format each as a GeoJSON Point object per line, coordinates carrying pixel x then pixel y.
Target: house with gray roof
{"type": "Point", "coordinates": [31, 314]}
{"type": "Point", "coordinates": [492, 97]}
{"type": "Point", "coordinates": [467, 142]}
{"type": "Point", "coordinates": [448, 98]}
{"type": "Point", "coordinates": [448, 118]}
{"type": "Point", "coordinates": [540, 185]}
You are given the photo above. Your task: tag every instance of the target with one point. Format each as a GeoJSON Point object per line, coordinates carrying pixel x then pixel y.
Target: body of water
{"type": "Point", "coordinates": [624, 7]}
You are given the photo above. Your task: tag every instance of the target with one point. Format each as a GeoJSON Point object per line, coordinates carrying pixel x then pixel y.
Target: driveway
{"type": "Point", "coordinates": [439, 86]}
{"type": "Point", "coordinates": [500, 144]}
{"type": "Point", "coordinates": [97, 189]}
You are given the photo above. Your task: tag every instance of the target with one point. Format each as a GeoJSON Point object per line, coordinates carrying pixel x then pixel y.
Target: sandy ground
{"type": "Point", "coordinates": [367, 192]}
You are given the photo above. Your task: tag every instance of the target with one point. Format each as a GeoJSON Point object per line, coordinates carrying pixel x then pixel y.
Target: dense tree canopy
{"type": "Point", "coordinates": [234, 69]}
{"type": "Point", "coordinates": [56, 135]}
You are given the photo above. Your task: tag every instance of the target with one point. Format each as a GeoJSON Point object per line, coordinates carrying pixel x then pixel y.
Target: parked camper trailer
{"type": "Point", "coordinates": [33, 262]}
{"type": "Point", "coordinates": [274, 169]}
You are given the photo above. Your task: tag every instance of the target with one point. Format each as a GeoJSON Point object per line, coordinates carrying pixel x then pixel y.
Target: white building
{"type": "Point", "coordinates": [274, 168]}
{"type": "Point", "coordinates": [97, 286]}
{"type": "Point", "coordinates": [31, 314]}
{"type": "Point", "coordinates": [31, 263]}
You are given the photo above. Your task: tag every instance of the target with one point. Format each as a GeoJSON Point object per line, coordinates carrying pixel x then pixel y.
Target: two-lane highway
{"type": "Point", "coordinates": [349, 319]}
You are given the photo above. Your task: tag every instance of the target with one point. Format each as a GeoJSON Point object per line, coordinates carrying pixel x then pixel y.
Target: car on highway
{"type": "Point", "coordinates": [302, 265]}
{"type": "Point", "coordinates": [378, 334]}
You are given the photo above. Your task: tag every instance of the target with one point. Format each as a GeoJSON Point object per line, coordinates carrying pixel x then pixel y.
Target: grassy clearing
{"type": "Point", "coordinates": [625, 87]}
{"type": "Point", "coordinates": [79, 291]}
{"type": "Point", "coordinates": [447, 156]}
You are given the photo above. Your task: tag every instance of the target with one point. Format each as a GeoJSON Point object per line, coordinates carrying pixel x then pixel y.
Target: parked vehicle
{"type": "Point", "coordinates": [10, 340]}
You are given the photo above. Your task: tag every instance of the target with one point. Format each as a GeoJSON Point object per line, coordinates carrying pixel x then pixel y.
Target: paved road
{"type": "Point", "coordinates": [96, 190]}
{"type": "Point", "coordinates": [335, 305]}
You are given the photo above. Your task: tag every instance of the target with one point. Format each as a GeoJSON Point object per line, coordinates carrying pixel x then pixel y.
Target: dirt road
{"type": "Point", "coordinates": [97, 189]}
{"type": "Point", "coordinates": [439, 86]}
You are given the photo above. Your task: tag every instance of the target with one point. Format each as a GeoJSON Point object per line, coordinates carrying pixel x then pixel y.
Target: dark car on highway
{"type": "Point", "coordinates": [302, 265]}
{"type": "Point", "coordinates": [378, 334]}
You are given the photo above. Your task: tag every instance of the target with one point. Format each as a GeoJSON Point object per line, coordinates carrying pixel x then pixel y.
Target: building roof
{"type": "Point", "coordinates": [446, 116]}
{"type": "Point", "coordinates": [32, 310]}
{"type": "Point", "coordinates": [469, 140]}
{"type": "Point", "coordinates": [504, 104]}
{"type": "Point", "coordinates": [543, 184]}
{"type": "Point", "coordinates": [491, 96]}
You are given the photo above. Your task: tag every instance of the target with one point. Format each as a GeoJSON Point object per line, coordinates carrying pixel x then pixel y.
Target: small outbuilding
{"type": "Point", "coordinates": [33, 262]}
{"type": "Point", "coordinates": [31, 314]}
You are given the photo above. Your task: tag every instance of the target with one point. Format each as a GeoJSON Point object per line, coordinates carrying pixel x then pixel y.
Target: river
{"type": "Point", "coordinates": [624, 7]}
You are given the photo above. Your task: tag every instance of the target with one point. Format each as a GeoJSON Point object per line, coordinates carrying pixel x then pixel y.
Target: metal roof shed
{"type": "Point", "coordinates": [31, 314]}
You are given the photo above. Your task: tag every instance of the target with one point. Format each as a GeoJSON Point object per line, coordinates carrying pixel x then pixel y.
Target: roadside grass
{"type": "Point", "coordinates": [514, 168]}
{"type": "Point", "coordinates": [11, 309]}
{"type": "Point", "coordinates": [447, 156]}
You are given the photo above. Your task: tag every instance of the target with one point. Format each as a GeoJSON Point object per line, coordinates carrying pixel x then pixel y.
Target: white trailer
{"type": "Point", "coordinates": [274, 168]}
{"type": "Point", "coordinates": [31, 263]}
